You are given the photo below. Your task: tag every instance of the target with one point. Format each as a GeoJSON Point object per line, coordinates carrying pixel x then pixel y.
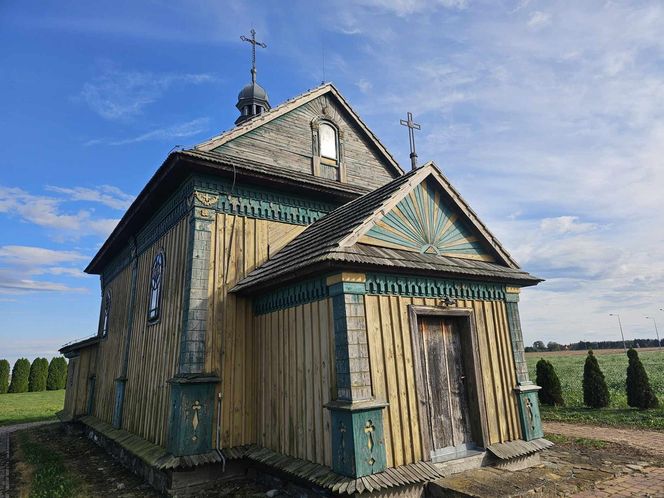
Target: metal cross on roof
{"type": "Point", "coordinates": [412, 125]}
{"type": "Point", "coordinates": [253, 42]}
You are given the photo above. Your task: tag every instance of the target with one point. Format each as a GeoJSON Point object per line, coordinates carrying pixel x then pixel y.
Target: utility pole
{"type": "Point", "coordinates": [621, 330]}
{"type": "Point", "coordinates": [659, 344]}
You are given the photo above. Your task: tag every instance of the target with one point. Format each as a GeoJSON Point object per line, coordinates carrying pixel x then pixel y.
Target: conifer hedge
{"type": "Point", "coordinates": [551, 393]}
{"type": "Point", "coordinates": [57, 374]}
{"type": "Point", "coordinates": [595, 391]}
{"type": "Point", "coordinates": [4, 376]}
{"type": "Point", "coordinates": [639, 393]}
{"type": "Point", "coordinates": [20, 373]}
{"type": "Point", "coordinates": [38, 374]}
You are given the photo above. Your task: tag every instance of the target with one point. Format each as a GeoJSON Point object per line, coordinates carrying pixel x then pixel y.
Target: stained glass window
{"type": "Point", "coordinates": [107, 312]}
{"type": "Point", "coordinates": [156, 281]}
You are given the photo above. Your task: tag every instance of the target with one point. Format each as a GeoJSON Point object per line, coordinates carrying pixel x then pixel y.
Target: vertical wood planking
{"type": "Point", "coordinates": [296, 385]}
{"type": "Point", "coordinates": [392, 371]}
{"type": "Point", "coordinates": [154, 347]}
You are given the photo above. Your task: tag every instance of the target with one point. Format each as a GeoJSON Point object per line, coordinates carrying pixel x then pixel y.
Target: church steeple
{"type": "Point", "coordinates": [252, 99]}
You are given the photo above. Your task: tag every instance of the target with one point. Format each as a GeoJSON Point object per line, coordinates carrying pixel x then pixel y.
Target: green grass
{"type": "Point", "coordinates": [569, 368]}
{"type": "Point", "coordinates": [50, 478]}
{"type": "Point", "coordinates": [30, 407]}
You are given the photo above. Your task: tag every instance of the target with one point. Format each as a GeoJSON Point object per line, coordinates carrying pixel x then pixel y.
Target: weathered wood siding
{"type": "Point", "coordinates": [239, 245]}
{"type": "Point", "coordinates": [286, 141]}
{"type": "Point", "coordinates": [393, 372]}
{"type": "Point", "coordinates": [79, 370]}
{"type": "Point", "coordinates": [295, 379]}
{"type": "Point", "coordinates": [110, 348]}
{"type": "Point", "coordinates": [154, 348]}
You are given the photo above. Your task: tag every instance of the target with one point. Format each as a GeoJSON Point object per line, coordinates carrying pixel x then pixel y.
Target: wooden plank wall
{"type": "Point", "coordinates": [79, 371]}
{"type": "Point", "coordinates": [393, 373]}
{"type": "Point", "coordinates": [239, 245]}
{"type": "Point", "coordinates": [295, 379]}
{"type": "Point", "coordinates": [109, 356]}
{"type": "Point", "coordinates": [286, 142]}
{"type": "Point", "coordinates": [154, 348]}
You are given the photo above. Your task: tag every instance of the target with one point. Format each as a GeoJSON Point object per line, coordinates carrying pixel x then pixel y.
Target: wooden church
{"type": "Point", "coordinates": [285, 298]}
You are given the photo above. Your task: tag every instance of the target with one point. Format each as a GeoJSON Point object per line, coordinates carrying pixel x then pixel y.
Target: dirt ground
{"type": "Point", "coordinates": [97, 473]}
{"type": "Point", "coordinates": [573, 465]}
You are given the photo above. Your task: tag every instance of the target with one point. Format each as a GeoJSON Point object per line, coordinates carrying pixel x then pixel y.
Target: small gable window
{"type": "Point", "coordinates": [106, 313]}
{"type": "Point", "coordinates": [156, 281]}
{"type": "Point", "coordinates": [328, 142]}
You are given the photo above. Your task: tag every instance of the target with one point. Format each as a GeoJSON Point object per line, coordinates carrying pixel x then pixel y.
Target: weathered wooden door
{"type": "Point", "coordinates": [445, 379]}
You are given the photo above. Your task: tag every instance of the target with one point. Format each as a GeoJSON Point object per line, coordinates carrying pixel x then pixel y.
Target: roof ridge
{"type": "Point", "coordinates": [259, 117]}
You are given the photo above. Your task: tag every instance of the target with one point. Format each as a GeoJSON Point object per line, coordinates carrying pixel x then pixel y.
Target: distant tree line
{"type": "Point", "coordinates": [540, 347]}
{"type": "Point", "coordinates": [41, 375]}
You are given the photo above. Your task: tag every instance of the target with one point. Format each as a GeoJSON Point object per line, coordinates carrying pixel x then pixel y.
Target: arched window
{"type": "Point", "coordinates": [328, 142]}
{"type": "Point", "coordinates": [156, 281]}
{"type": "Point", "coordinates": [106, 313]}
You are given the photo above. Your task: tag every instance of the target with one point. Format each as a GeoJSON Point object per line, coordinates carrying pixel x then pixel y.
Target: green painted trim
{"type": "Point", "coordinates": [347, 288]}
{"type": "Point", "coordinates": [191, 418]}
{"type": "Point", "coordinates": [529, 413]}
{"type": "Point", "coordinates": [172, 211]}
{"type": "Point", "coordinates": [293, 295]}
{"type": "Point", "coordinates": [512, 297]}
{"type": "Point", "coordinates": [242, 200]}
{"type": "Point", "coordinates": [423, 221]}
{"type": "Point", "coordinates": [255, 202]}
{"type": "Point", "coordinates": [379, 283]}
{"type": "Point", "coordinates": [516, 338]}
{"type": "Point", "coordinates": [358, 443]}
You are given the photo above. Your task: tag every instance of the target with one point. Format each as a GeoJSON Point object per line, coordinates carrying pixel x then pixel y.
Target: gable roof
{"type": "Point", "coordinates": [289, 105]}
{"type": "Point", "coordinates": [336, 238]}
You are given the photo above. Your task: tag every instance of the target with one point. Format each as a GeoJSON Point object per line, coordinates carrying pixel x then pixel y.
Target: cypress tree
{"type": "Point", "coordinates": [595, 391]}
{"type": "Point", "coordinates": [57, 374]}
{"type": "Point", "coordinates": [551, 394]}
{"type": "Point", "coordinates": [20, 373]}
{"type": "Point", "coordinates": [639, 392]}
{"type": "Point", "coordinates": [4, 376]}
{"type": "Point", "coordinates": [38, 374]}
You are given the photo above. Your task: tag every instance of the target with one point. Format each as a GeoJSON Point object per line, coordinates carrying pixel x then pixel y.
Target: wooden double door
{"type": "Point", "coordinates": [444, 374]}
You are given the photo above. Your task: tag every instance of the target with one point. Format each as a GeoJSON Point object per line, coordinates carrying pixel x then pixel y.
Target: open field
{"type": "Point", "coordinates": [569, 367]}
{"type": "Point", "coordinates": [30, 407]}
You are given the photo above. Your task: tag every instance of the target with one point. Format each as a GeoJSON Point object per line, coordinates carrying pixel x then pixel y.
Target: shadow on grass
{"type": "Point", "coordinates": [618, 417]}
{"type": "Point", "coordinates": [50, 478]}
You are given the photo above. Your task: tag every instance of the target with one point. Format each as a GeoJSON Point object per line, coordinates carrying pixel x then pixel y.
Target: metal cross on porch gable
{"type": "Point", "coordinates": [412, 125]}
{"type": "Point", "coordinates": [253, 42]}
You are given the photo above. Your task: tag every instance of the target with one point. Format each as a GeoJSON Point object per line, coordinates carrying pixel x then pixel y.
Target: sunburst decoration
{"type": "Point", "coordinates": [422, 222]}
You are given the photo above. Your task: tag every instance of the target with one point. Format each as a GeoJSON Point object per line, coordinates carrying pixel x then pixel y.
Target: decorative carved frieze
{"type": "Point", "coordinates": [433, 287]}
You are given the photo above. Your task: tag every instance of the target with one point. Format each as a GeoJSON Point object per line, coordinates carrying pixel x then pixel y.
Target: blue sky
{"type": "Point", "coordinates": [547, 116]}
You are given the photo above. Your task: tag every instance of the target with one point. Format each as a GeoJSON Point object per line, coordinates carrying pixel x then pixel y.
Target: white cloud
{"type": "Point", "coordinates": [182, 130]}
{"type": "Point", "coordinates": [48, 212]}
{"type": "Point", "coordinates": [117, 94]}
{"type": "Point", "coordinates": [406, 7]}
{"type": "Point", "coordinates": [538, 19]}
{"type": "Point", "coordinates": [107, 195]}
{"type": "Point", "coordinates": [565, 225]}
{"type": "Point", "coordinates": [22, 266]}
{"type": "Point", "coordinates": [37, 256]}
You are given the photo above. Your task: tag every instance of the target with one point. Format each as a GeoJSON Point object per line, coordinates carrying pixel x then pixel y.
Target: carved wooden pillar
{"type": "Point", "coordinates": [192, 389]}
{"type": "Point", "coordinates": [526, 391]}
{"type": "Point", "coordinates": [358, 446]}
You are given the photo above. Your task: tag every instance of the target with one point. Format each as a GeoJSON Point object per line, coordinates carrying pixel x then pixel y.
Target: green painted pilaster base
{"type": "Point", "coordinates": [358, 444]}
{"type": "Point", "coordinates": [529, 412]}
{"type": "Point", "coordinates": [192, 411]}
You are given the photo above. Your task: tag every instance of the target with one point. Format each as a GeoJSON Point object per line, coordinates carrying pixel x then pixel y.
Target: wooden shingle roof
{"type": "Point", "coordinates": [333, 241]}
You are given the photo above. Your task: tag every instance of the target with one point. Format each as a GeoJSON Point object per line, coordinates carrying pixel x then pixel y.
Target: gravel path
{"type": "Point", "coordinates": [650, 441]}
